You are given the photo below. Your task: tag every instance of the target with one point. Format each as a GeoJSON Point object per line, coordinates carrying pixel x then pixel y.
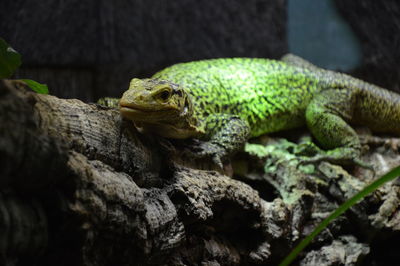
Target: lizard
{"type": "Point", "coordinates": [226, 101]}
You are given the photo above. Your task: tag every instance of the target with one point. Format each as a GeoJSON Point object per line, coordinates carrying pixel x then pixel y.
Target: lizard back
{"type": "Point", "coordinates": [270, 95]}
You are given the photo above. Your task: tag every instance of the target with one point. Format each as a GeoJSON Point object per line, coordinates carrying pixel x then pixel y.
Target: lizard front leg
{"type": "Point", "coordinates": [327, 116]}
{"type": "Point", "coordinates": [225, 135]}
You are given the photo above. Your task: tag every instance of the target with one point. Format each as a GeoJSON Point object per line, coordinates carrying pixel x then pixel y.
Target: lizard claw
{"type": "Point", "coordinates": [217, 160]}
{"type": "Point", "coordinates": [332, 159]}
{"type": "Point", "coordinates": [311, 154]}
{"type": "Point", "coordinates": [201, 150]}
{"type": "Point", "coordinates": [307, 149]}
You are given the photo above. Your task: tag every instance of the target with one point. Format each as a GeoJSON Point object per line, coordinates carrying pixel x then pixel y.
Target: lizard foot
{"type": "Point", "coordinates": [315, 160]}
{"type": "Point", "coordinates": [201, 149]}
{"type": "Point", "coordinates": [311, 154]}
{"type": "Point", "coordinates": [340, 161]}
{"type": "Point", "coordinates": [307, 149]}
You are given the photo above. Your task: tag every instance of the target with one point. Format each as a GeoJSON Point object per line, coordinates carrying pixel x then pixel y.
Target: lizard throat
{"type": "Point", "coordinates": [166, 130]}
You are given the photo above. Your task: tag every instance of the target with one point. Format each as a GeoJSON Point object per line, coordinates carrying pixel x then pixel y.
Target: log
{"type": "Point", "coordinates": [81, 186]}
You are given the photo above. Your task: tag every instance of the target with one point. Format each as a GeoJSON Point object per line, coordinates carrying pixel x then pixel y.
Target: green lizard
{"type": "Point", "coordinates": [227, 101]}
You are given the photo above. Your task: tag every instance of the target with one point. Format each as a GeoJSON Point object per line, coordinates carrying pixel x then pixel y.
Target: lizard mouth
{"type": "Point", "coordinates": [135, 109]}
{"type": "Point", "coordinates": [124, 107]}
{"type": "Point", "coordinates": [140, 113]}
{"type": "Point", "coordinates": [151, 108]}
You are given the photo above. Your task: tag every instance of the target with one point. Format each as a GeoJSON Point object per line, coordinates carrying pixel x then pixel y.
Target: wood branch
{"type": "Point", "coordinates": [85, 188]}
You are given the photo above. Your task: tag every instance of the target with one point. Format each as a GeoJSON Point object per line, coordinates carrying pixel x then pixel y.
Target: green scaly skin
{"type": "Point", "coordinates": [227, 101]}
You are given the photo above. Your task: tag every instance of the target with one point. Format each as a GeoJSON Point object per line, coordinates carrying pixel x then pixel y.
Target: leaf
{"type": "Point", "coordinates": [392, 174]}
{"type": "Point", "coordinates": [10, 60]}
{"type": "Point", "coordinates": [36, 86]}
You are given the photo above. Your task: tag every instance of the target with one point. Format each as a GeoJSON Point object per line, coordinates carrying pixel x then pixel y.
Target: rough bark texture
{"type": "Point", "coordinates": [80, 186]}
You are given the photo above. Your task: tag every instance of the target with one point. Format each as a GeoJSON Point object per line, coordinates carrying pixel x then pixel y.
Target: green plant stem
{"type": "Point", "coordinates": [392, 174]}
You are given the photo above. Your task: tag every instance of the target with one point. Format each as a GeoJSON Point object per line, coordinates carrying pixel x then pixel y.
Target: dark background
{"type": "Point", "coordinates": [88, 49]}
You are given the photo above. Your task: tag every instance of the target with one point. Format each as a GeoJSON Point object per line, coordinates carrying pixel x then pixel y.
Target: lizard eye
{"type": "Point", "coordinates": [164, 95]}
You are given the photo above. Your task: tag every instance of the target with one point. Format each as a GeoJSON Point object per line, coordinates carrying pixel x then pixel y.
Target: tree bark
{"type": "Point", "coordinates": [80, 186]}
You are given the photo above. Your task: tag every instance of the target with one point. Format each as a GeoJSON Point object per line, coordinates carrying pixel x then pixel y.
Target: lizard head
{"type": "Point", "coordinates": [153, 100]}
{"type": "Point", "coordinates": [158, 105]}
